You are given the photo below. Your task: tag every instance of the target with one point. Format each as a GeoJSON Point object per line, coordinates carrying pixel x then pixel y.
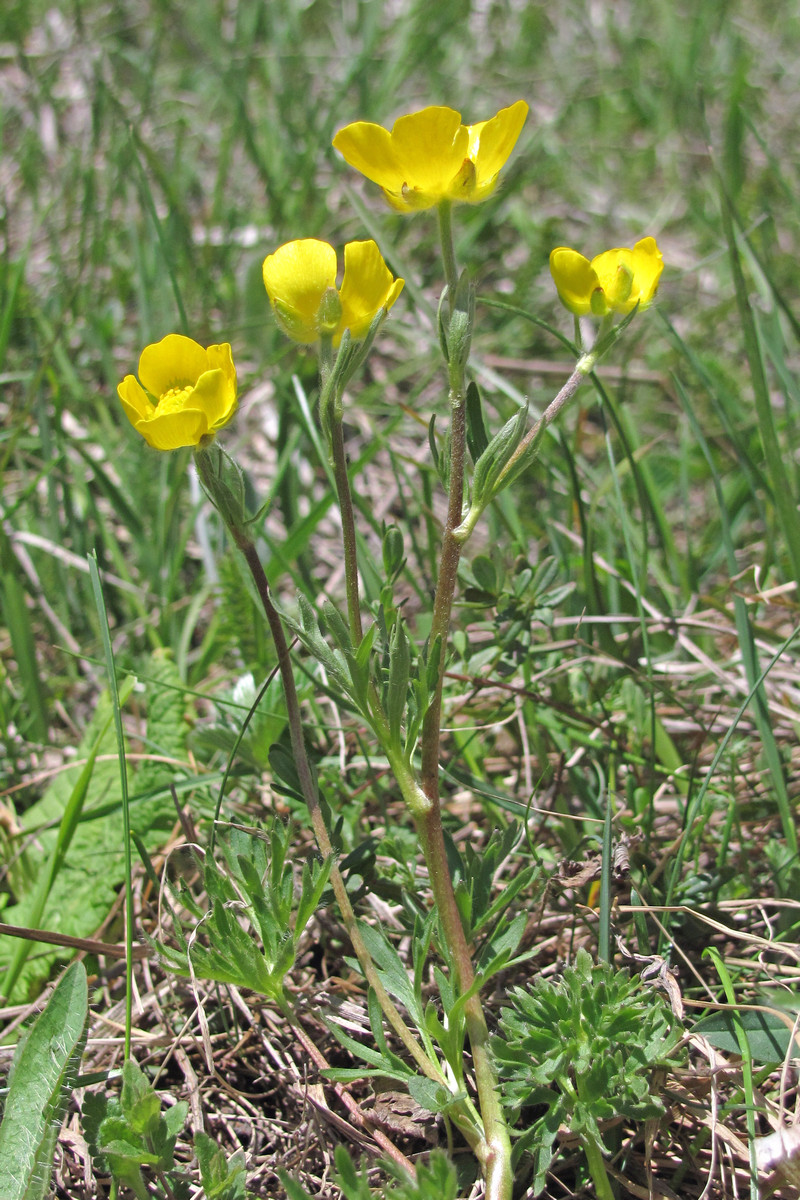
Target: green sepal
{"type": "Point", "coordinates": [455, 327]}
{"type": "Point", "coordinates": [607, 339]}
{"type": "Point", "coordinates": [350, 357]}
{"type": "Point", "coordinates": [223, 483]}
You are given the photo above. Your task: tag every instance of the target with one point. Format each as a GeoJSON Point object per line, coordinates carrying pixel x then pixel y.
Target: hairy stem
{"type": "Point", "coordinates": [445, 211]}
{"type": "Point", "coordinates": [496, 1149]}
{"type": "Point", "coordinates": [529, 442]}
{"type": "Point", "coordinates": [348, 529]}
{"type": "Point", "coordinates": [584, 368]}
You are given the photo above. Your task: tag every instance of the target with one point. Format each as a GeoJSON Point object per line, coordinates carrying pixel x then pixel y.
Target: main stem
{"type": "Point", "coordinates": [497, 1148]}
{"type": "Point", "coordinates": [348, 529]}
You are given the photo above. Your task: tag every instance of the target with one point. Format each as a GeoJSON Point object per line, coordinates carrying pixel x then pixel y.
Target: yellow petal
{"type": "Point", "coordinates": [430, 146]}
{"type": "Point", "coordinates": [416, 162]}
{"type": "Point", "coordinates": [174, 362]}
{"type": "Point", "coordinates": [214, 397]}
{"type": "Point", "coordinates": [368, 148]}
{"type": "Point", "coordinates": [491, 143]}
{"type": "Point", "coordinates": [643, 264]}
{"type": "Point", "coordinates": [616, 277]}
{"type": "Point", "coordinates": [575, 278]}
{"type": "Point", "coordinates": [296, 277]}
{"type": "Point", "coordinates": [221, 358]}
{"type": "Point", "coordinates": [194, 392]}
{"type": "Point", "coordinates": [368, 286]}
{"type": "Point", "coordinates": [648, 265]}
{"type": "Point", "coordinates": [137, 404]}
{"type": "Point", "coordinates": [175, 429]}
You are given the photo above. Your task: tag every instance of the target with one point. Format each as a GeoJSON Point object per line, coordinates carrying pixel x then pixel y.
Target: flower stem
{"type": "Point", "coordinates": [496, 1149]}
{"type": "Point", "coordinates": [585, 367]}
{"type": "Point", "coordinates": [348, 528]}
{"type": "Point", "coordinates": [246, 546]}
{"type": "Point", "coordinates": [445, 211]}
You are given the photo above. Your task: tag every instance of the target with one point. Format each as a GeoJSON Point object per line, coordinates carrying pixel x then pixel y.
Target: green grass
{"type": "Point", "coordinates": [617, 607]}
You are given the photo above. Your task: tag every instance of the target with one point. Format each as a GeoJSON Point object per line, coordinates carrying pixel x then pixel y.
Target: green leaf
{"type": "Point", "coordinates": [392, 972]}
{"type": "Point", "coordinates": [43, 1074]}
{"type": "Point", "coordinates": [223, 1179]}
{"type": "Point", "coordinates": [387, 1064]}
{"type": "Point", "coordinates": [77, 853]}
{"type": "Point", "coordinates": [768, 1036]}
{"type": "Point", "coordinates": [397, 687]}
{"type": "Point", "coordinates": [17, 621]}
{"type": "Point", "coordinates": [309, 633]}
{"type": "Point", "coordinates": [136, 1134]}
{"type": "Point", "coordinates": [495, 457]}
{"type": "Point", "coordinates": [477, 437]}
{"type": "Point", "coordinates": [294, 1190]}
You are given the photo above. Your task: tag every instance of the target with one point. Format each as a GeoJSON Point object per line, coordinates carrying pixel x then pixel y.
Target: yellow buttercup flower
{"type": "Point", "coordinates": [615, 281]}
{"type": "Point", "coordinates": [300, 278]}
{"type": "Point", "coordinates": [184, 393]}
{"type": "Point", "coordinates": [429, 156]}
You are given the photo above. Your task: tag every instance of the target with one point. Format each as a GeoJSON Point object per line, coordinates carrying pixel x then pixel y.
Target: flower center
{"type": "Point", "coordinates": [173, 400]}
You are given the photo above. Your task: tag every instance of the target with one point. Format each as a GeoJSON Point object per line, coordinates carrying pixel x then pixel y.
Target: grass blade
{"type": "Point", "coordinates": [97, 589]}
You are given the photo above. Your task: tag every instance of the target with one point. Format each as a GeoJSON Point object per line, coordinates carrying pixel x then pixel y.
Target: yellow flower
{"type": "Point", "coordinates": [184, 393]}
{"type": "Point", "coordinates": [614, 281]}
{"type": "Point", "coordinates": [300, 278]}
{"type": "Point", "coordinates": [429, 156]}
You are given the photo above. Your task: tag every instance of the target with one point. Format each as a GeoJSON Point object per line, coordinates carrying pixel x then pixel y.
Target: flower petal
{"type": "Point", "coordinates": [221, 358]}
{"type": "Point", "coordinates": [491, 142]}
{"type": "Point", "coordinates": [174, 362]}
{"type": "Point", "coordinates": [642, 269]}
{"type": "Point", "coordinates": [575, 279]}
{"type": "Point", "coordinates": [648, 265]}
{"type": "Point", "coordinates": [296, 277]}
{"type": "Point", "coordinates": [415, 163]}
{"type": "Point", "coordinates": [430, 146]}
{"type": "Point", "coordinates": [215, 396]}
{"type": "Point", "coordinates": [135, 400]}
{"type": "Point", "coordinates": [173, 430]}
{"type": "Point", "coordinates": [368, 286]}
{"type": "Point", "coordinates": [369, 149]}
{"type": "Point", "coordinates": [614, 270]}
